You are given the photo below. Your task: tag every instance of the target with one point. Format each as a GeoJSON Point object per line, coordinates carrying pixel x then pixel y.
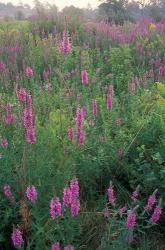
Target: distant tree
{"type": "Point", "coordinates": [73, 15]}
{"type": "Point", "coordinates": [19, 15]}
{"type": "Point", "coordinates": [115, 10]}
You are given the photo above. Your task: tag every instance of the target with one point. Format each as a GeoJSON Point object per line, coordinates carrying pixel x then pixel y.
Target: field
{"type": "Point", "coordinates": [82, 135]}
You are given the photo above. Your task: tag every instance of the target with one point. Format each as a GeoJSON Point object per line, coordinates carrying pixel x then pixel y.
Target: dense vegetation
{"type": "Point", "coordinates": [82, 134]}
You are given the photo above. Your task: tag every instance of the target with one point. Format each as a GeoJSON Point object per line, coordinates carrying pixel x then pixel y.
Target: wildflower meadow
{"type": "Point", "coordinates": [82, 134]}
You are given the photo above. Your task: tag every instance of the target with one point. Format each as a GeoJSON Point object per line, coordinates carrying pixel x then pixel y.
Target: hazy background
{"type": "Point", "coordinates": [60, 3]}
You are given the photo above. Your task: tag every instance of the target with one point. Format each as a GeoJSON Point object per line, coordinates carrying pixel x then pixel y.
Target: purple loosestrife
{"type": "Point", "coordinates": [67, 196]}
{"type": "Point", "coordinates": [17, 238]}
{"type": "Point", "coordinates": [31, 193]}
{"type": "Point", "coordinates": [122, 210]}
{"type": "Point", "coordinates": [81, 137]}
{"type": "Point", "coordinates": [106, 212]}
{"type": "Point", "coordinates": [94, 106]}
{"type": "Point", "coordinates": [110, 90]}
{"type": "Point", "coordinates": [29, 72]}
{"type": "Point", "coordinates": [56, 246]}
{"type": "Point", "coordinates": [118, 122]}
{"type": "Point", "coordinates": [84, 77]}
{"type": "Point", "coordinates": [4, 143]}
{"type": "Point", "coordinates": [71, 134]}
{"type": "Point", "coordinates": [21, 94]}
{"type": "Point", "coordinates": [8, 118]}
{"type": "Point", "coordinates": [79, 118]}
{"type": "Point", "coordinates": [8, 193]}
{"type": "Point", "coordinates": [135, 194]}
{"type": "Point", "coordinates": [156, 214]}
{"type": "Point", "coordinates": [55, 208]}
{"type": "Point", "coordinates": [110, 192]}
{"type": "Point", "coordinates": [84, 110]}
{"type": "Point", "coordinates": [75, 207]}
{"type": "Point", "coordinates": [29, 101]}
{"type": "Point", "coordinates": [45, 73]}
{"type": "Point", "coordinates": [131, 219]}
{"type": "Point", "coordinates": [65, 45]}
{"type": "Point", "coordinates": [151, 201]}
{"type": "Point", "coordinates": [74, 188]}
{"type": "Point", "coordinates": [28, 118]}
{"type": "Point", "coordinates": [2, 66]}
{"type": "Point", "coordinates": [129, 238]}
{"type": "Point", "coordinates": [109, 101]}
{"type": "Point", "coordinates": [31, 135]}
{"type": "Point", "coordinates": [69, 247]}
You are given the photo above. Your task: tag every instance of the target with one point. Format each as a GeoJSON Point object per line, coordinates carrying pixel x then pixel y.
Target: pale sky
{"type": "Point", "coordinates": [59, 3]}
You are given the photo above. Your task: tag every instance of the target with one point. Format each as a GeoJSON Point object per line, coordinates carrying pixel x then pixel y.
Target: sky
{"type": "Point", "coordinates": [60, 3]}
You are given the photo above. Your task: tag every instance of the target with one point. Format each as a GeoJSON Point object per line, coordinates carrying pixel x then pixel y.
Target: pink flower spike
{"type": "Point", "coordinates": [55, 208]}
{"type": "Point", "coordinates": [109, 102]}
{"type": "Point", "coordinates": [94, 106]}
{"type": "Point", "coordinates": [151, 201]}
{"type": "Point", "coordinates": [134, 196]}
{"type": "Point", "coordinates": [84, 77]}
{"type": "Point", "coordinates": [31, 193]}
{"type": "Point", "coordinates": [106, 212]}
{"type": "Point", "coordinates": [156, 214]}
{"type": "Point", "coordinates": [69, 247]}
{"type": "Point", "coordinates": [4, 143]}
{"type": "Point", "coordinates": [67, 196]}
{"type": "Point", "coordinates": [131, 219]}
{"type": "Point", "coordinates": [21, 94]}
{"type": "Point", "coordinates": [65, 45]}
{"type": "Point", "coordinates": [8, 193]}
{"type": "Point", "coordinates": [75, 207]}
{"type": "Point", "coordinates": [17, 238]}
{"type": "Point", "coordinates": [111, 194]}
{"type": "Point", "coordinates": [56, 246]}
{"type": "Point", "coordinates": [29, 72]}
{"type": "Point", "coordinates": [71, 134]}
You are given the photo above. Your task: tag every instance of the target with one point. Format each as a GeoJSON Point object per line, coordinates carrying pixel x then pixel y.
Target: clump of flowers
{"type": "Point", "coordinates": [71, 197]}
{"type": "Point", "coordinates": [31, 193]}
{"type": "Point", "coordinates": [17, 238]}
